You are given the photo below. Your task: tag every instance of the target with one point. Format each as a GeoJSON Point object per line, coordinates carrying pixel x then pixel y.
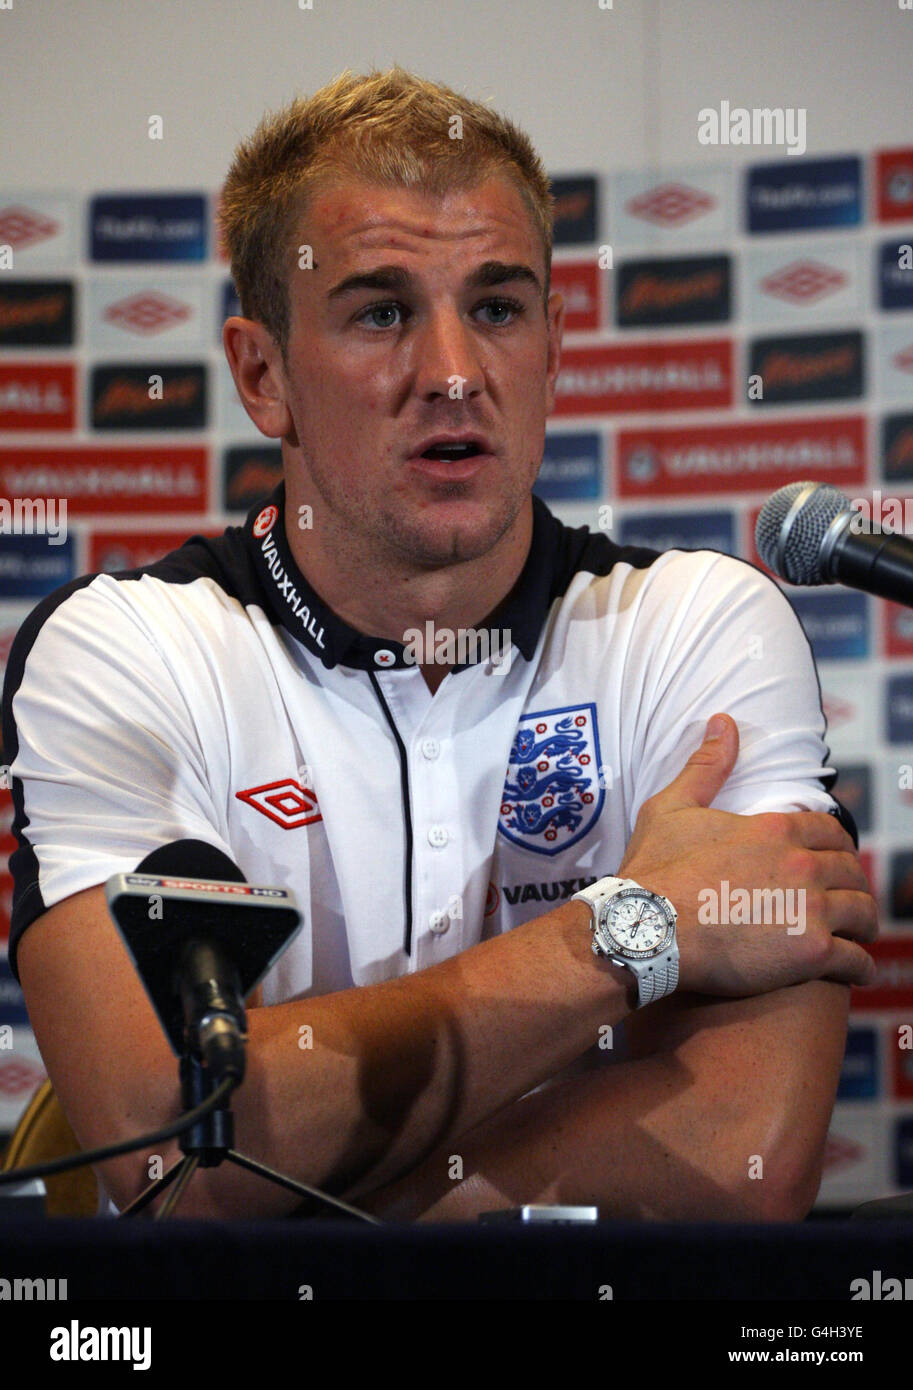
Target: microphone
{"type": "Point", "coordinates": [808, 533]}
{"type": "Point", "coordinates": [201, 938]}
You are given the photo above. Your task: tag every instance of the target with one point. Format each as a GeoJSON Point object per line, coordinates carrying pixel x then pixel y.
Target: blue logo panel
{"type": "Point", "coordinates": [31, 567]}
{"type": "Point", "coordinates": [662, 530]}
{"type": "Point", "coordinates": [12, 1000]}
{"type": "Point", "coordinates": [231, 306]}
{"type": "Point", "coordinates": [899, 702]}
{"type": "Point", "coordinates": [836, 625]}
{"type": "Point", "coordinates": [552, 793]}
{"type": "Point", "coordinates": [859, 1074]}
{"type": "Point", "coordinates": [903, 1151]}
{"type": "Point", "coordinates": [148, 227]}
{"type": "Point", "coordinates": [895, 274]}
{"type": "Point", "coordinates": [804, 193]}
{"type": "Point", "coordinates": [571, 467]}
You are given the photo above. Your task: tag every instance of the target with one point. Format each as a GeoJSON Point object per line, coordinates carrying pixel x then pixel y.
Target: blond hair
{"type": "Point", "coordinates": [391, 128]}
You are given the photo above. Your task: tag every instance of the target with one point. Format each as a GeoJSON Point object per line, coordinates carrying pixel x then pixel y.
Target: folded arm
{"type": "Point", "coordinates": [719, 1112]}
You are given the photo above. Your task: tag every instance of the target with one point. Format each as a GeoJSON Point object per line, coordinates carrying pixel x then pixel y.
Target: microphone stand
{"type": "Point", "coordinates": [210, 1142]}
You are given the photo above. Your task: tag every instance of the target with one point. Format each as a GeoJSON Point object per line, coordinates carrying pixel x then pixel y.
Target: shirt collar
{"type": "Point", "coordinates": [293, 603]}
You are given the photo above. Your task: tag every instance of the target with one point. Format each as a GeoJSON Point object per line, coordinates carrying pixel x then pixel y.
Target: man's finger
{"type": "Point", "coordinates": [820, 830]}
{"type": "Point", "coordinates": [841, 869]}
{"type": "Point", "coordinates": [849, 964]}
{"type": "Point", "coordinates": [852, 914]}
{"type": "Point", "coordinates": [703, 775]}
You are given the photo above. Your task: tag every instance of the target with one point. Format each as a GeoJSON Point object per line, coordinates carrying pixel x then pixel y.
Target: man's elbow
{"type": "Point", "coordinates": [780, 1190]}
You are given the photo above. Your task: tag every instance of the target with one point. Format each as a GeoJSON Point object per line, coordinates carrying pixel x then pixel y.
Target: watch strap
{"type": "Point", "coordinates": [658, 979]}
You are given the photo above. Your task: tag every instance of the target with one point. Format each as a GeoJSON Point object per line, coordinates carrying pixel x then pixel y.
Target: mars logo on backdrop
{"type": "Point", "coordinates": [285, 802]}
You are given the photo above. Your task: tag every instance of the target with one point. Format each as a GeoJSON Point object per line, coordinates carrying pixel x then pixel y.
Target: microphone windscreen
{"type": "Point", "coordinates": [796, 555]}
{"type": "Point", "coordinates": [191, 859]}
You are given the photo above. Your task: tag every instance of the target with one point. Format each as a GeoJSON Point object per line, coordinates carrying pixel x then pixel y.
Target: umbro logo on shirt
{"type": "Point", "coordinates": [285, 802]}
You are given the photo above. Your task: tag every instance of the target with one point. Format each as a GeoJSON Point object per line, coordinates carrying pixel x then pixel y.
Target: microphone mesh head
{"type": "Point", "coordinates": [801, 552]}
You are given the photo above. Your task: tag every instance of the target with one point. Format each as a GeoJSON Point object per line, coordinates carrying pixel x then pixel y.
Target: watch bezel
{"type": "Point", "coordinates": [606, 938]}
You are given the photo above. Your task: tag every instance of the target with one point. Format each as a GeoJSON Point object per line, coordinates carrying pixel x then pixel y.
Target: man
{"type": "Point", "coordinates": [432, 1044]}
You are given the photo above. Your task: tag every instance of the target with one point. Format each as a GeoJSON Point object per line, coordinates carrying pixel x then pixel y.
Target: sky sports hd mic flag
{"type": "Point", "coordinates": [201, 937]}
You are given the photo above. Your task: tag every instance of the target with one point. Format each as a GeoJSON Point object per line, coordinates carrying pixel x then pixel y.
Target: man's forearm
{"type": "Point", "coordinates": [728, 1126]}
{"type": "Point", "coordinates": [349, 1090]}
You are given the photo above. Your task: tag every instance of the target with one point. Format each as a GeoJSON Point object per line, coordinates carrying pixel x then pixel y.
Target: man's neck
{"type": "Point", "coordinates": [388, 599]}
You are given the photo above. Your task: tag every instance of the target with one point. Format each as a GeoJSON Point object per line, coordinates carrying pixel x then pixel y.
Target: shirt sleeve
{"type": "Point", "coordinates": [731, 642]}
{"type": "Point", "coordinates": [100, 742]}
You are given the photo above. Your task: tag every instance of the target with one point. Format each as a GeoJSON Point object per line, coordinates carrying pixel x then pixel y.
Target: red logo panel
{"type": "Point", "coordinates": [96, 479]}
{"type": "Point", "coordinates": [893, 987]}
{"type": "Point", "coordinates": [901, 1060]}
{"type": "Point", "coordinates": [747, 457]}
{"type": "Point", "coordinates": [37, 396]}
{"type": "Point", "coordinates": [579, 282]}
{"type": "Point", "coordinates": [606, 378]}
{"type": "Point", "coordinates": [129, 550]}
{"type": "Point", "coordinates": [894, 185]}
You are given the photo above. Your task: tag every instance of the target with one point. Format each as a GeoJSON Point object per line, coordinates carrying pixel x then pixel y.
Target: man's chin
{"type": "Point", "coordinates": [451, 534]}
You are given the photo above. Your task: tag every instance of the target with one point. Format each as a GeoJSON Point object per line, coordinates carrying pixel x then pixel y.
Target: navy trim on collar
{"type": "Point", "coordinates": [299, 609]}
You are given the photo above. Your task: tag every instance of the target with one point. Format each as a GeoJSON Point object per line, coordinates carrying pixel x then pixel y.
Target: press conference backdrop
{"type": "Point", "coordinates": [734, 323]}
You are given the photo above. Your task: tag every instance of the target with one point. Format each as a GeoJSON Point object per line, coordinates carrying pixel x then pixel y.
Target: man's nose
{"type": "Point", "coordinates": [448, 359]}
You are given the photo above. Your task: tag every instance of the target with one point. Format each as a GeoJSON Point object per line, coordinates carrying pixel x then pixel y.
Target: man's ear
{"type": "Point", "coordinates": [256, 366]}
{"type": "Point", "coordinates": [556, 311]}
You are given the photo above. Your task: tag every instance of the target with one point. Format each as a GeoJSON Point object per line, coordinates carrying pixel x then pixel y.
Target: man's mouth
{"type": "Point", "coordinates": [451, 453]}
{"type": "Point", "coordinates": [455, 447]}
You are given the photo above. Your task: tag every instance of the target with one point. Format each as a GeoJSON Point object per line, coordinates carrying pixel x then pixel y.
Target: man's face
{"type": "Point", "coordinates": [413, 350]}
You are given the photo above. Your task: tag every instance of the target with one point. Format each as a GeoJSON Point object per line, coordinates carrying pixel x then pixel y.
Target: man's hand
{"type": "Point", "coordinates": [680, 847]}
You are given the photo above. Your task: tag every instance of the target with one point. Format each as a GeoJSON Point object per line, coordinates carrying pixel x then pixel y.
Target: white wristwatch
{"type": "Point", "coordinates": [636, 928]}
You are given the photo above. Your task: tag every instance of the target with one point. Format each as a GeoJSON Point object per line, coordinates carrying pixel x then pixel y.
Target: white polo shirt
{"type": "Point", "coordinates": [214, 696]}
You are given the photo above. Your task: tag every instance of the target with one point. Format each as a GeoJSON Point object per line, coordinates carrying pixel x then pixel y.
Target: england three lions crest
{"type": "Point", "coordinates": [552, 792]}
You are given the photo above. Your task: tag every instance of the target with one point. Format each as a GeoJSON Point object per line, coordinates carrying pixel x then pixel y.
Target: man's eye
{"type": "Point", "coordinates": [512, 306]}
{"type": "Point", "coordinates": [384, 308]}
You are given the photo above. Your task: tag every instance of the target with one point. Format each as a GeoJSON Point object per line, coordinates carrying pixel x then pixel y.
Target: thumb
{"type": "Point", "coordinates": [708, 767]}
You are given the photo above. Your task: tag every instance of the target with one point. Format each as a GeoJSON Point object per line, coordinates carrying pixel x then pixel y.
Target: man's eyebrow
{"type": "Point", "coordinates": [398, 280]}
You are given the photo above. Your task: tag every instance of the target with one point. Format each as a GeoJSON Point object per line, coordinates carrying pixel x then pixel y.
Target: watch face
{"type": "Point", "coordinates": [637, 923]}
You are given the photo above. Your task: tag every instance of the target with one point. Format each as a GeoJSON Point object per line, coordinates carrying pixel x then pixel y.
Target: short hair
{"type": "Point", "coordinates": [391, 128]}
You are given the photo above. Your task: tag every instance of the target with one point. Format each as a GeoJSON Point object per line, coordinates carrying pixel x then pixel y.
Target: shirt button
{"type": "Point", "coordinates": [439, 922]}
{"type": "Point", "coordinates": [438, 836]}
{"type": "Point", "coordinates": [384, 657]}
{"type": "Point", "coordinates": [430, 747]}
